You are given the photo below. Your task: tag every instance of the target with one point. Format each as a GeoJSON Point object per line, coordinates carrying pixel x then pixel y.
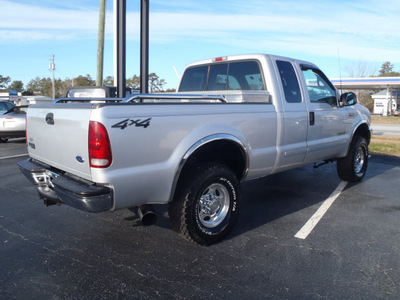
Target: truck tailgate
{"type": "Point", "coordinates": [57, 134]}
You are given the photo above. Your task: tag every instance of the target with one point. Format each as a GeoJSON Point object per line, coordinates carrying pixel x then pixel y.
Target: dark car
{"type": "Point", "coordinates": [5, 106]}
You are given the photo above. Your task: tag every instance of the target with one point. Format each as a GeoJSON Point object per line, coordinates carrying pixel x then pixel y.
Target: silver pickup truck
{"type": "Point", "coordinates": [233, 119]}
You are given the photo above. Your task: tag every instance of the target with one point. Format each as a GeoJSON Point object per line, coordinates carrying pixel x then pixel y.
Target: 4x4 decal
{"type": "Point", "coordinates": [129, 122]}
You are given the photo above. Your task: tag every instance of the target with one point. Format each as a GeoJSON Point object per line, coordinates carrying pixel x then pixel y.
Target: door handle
{"type": "Point", "coordinates": [50, 118]}
{"type": "Point", "coordinates": [312, 118]}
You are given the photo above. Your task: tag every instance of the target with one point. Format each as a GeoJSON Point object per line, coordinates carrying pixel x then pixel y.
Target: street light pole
{"type": "Point", "coordinates": [144, 46]}
{"type": "Point", "coordinates": [52, 67]}
{"type": "Point", "coordinates": [120, 45]}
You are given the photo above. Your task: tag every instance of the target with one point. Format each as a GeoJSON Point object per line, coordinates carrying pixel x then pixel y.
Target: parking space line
{"type": "Point", "coordinates": [313, 221]}
{"type": "Point", "coordinates": [13, 156]}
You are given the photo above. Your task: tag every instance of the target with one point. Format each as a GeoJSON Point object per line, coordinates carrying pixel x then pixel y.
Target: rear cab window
{"type": "Point", "coordinates": [241, 75]}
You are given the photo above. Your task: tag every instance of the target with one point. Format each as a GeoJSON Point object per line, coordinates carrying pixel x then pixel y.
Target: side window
{"type": "Point", "coordinates": [245, 75]}
{"type": "Point", "coordinates": [217, 78]}
{"type": "Point", "coordinates": [289, 81]}
{"type": "Point", "coordinates": [319, 88]}
{"type": "Point", "coordinates": [194, 79]}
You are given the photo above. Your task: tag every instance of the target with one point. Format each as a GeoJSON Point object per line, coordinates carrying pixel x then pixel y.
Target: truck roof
{"type": "Point", "coordinates": [257, 56]}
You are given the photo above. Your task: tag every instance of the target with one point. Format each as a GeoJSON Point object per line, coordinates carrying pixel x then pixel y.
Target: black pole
{"type": "Point", "coordinates": [121, 48]}
{"type": "Point", "coordinates": [144, 46]}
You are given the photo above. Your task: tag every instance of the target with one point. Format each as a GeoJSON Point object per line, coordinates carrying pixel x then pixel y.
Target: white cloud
{"type": "Point", "coordinates": [367, 28]}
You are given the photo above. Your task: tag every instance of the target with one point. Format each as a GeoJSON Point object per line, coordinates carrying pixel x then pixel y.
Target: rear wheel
{"type": "Point", "coordinates": [354, 166]}
{"type": "Point", "coordinates": [205, 207]}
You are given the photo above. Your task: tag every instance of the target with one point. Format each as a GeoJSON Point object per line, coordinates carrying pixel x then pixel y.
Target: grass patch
{"type": "Point", "coordinates": [385, 120]}
{"type": "Point", "coordinates": [388, 145]}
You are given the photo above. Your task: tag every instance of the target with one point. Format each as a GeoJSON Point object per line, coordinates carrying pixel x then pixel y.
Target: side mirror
{"type": "Point", "coordinates": [348, 99]}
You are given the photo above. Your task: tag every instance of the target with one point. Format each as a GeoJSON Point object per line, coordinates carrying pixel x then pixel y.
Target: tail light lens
{"type": "Point", "coordinates": [100, 155]}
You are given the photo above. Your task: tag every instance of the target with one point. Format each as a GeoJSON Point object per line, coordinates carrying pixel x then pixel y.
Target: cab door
{"type": "Point", "coordinates": [293, 144]}
{"type": "Point", "coordinates": [328, 124]}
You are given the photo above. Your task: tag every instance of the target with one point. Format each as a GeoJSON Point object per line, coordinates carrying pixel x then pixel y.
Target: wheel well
{"type": "Point", "coordinates": [363, 130]}
{"type": "Point", "coordinates": [225, 152]}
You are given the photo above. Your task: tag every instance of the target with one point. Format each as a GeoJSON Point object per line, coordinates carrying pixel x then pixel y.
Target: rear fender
{"type": "Point", "coordinates": [196, 150]}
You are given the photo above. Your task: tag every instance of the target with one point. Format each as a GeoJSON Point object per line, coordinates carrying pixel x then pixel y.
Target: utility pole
{"type": "Point", "coordinates": [100, 43]}
{"type": "Point", "coordinates": [52, 67]}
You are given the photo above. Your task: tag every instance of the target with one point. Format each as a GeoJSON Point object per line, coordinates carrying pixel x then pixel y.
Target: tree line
{"type": "Point", "coordinates": [44, 87]}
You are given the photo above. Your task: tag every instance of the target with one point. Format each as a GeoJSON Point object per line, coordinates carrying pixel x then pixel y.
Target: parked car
{"type": "Point", "coordinates": [5, 106]}
{"type": "Point", "coordinates": [12, 123]}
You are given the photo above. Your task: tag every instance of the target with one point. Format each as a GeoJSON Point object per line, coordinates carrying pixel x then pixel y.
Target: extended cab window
{"type": "Point", "coordinates": [319, 87]}
{"type": "Point", "coordinates": [289, 81]}
{"type": "Point", "coordinates": [195, 79]}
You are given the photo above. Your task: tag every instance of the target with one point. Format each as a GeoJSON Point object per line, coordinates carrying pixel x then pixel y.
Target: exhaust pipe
{"type": "Point", "coordinates": [147, 215]}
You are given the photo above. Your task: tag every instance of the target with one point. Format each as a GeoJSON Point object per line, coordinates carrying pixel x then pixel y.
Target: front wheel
{"type": "Point", "coordinates": [206, 204]}
{"type": "Point", "coordinates": [354, 166]}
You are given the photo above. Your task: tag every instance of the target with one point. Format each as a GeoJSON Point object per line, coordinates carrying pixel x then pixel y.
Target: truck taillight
{"type": "Point", "coordinates": [100, 155]}
{"type": "Point", "coordinates": [220, 58]}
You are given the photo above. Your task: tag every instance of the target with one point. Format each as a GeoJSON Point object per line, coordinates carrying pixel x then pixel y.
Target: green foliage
{"type": "Point", "coordinates": [84, 81]}
{"type": "Point", "coordinates": [44, 86]}
{"type": "Point", "coordinates": [133, 82]}
{"type": "Point", "coordinates": [109, 80]}
{"type": "Point", "coordinates": [387, 70]}
{"type": "Point", "coordinates": [40, 86]}
{"type": "Point", "coordinates": [155, 83]}
{"type": "Point", "coordinates": [3, 82]}
{"type": "Point", "coordinates": [17, 85]}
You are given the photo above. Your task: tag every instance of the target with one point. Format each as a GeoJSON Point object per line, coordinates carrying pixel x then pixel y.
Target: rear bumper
{"type": "Point", "coordinates": [53, 186]}
{"type": "Point", "coordinates": [12, 133]}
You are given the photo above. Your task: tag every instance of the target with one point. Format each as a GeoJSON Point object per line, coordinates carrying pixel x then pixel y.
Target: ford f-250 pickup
{"type": "Point", "coordinates": [233, 118]}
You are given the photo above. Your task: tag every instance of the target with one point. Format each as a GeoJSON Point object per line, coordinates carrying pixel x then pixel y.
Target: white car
{"type": "Point", "coordinates": [12, 122]}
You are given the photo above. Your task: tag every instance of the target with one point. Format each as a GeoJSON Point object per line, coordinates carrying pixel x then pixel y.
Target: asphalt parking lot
{"type": "Point", "coordinates": [352, 253]}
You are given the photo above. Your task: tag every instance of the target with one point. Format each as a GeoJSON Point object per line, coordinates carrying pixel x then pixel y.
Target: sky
{"type": "Point", "coordinates": [335, 35]}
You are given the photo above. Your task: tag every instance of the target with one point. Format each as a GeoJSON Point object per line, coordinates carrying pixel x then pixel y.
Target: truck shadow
{"type": "Point", "coordinates": [270, 198]}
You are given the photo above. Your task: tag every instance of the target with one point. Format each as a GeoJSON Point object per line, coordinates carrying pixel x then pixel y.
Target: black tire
{"type": "Point", "coordinates": [354, 166]}
{"type": "Point", "coordinates": [3, 140]}
{"type": "Point", "coordinates": [205, 207]}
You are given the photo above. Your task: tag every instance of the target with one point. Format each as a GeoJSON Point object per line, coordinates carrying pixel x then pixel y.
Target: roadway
{"type": "Point", "coordinates": [386, 129]}
{"type": "Point", "coordinates": [353, 252]}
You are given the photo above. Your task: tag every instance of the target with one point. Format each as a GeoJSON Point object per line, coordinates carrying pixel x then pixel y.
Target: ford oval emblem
{"type": "Point", "coordinates": [80, 159]}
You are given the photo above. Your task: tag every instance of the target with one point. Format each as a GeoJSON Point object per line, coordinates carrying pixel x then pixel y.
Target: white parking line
{"type": "Point", "coordinates": [6, 157]}
{"type": "Point", "coordinates": [313, 221]}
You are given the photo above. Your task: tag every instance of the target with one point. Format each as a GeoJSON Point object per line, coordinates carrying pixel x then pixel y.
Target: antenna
{"type": "Point", "coordinates": [340, 72]}
{"type": "Point", "coordinates": [176, 72]}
